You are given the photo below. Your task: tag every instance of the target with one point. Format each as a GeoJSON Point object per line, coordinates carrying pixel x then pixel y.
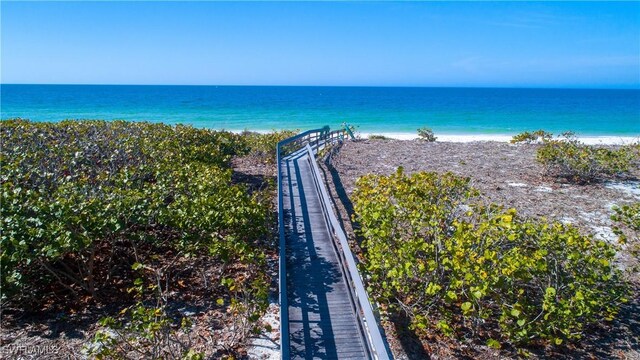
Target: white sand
{"type": "Point", "coordinates": [631, 188]}
{"type": "Point", "coordinates": [464, 138]}
{"type": "Point", "coordinates": [266, 345]}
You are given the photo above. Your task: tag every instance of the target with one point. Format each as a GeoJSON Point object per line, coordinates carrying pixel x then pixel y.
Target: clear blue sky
{"type": "Point", "coordinates": [317, 43]}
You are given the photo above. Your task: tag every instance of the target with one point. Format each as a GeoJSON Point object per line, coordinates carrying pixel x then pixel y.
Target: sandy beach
{"type": "Point", "coordinates": [466, 138]}
{"type": "Point", "coordinates": [506, 174]}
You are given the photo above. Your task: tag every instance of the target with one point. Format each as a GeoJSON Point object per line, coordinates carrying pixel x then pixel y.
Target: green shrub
{"type": "Point", "coordinates": [148, 333]}
{"type": "Point", "coordinates": [73, 192]}
{"type": "Point", "coordinates": [627, 219]}
{"type": "Point", "coordinates": [426, 134]}
{"type": "Point", "coordinates": [531, 137]}
{"type": "Point", "coordinates": [263, 146]}
{"type": "Point", "coordinates": [451, 264]}
{"type": "Point", "coordinates": [628, 216]}
{"type": "Point", "coordinates": [568, 158]}
{"type": "Point", "coordinates": [378, 137]}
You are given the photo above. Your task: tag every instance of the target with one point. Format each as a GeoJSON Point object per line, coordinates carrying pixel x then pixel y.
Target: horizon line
{"type": "Point", "coordinates": [559, 87]}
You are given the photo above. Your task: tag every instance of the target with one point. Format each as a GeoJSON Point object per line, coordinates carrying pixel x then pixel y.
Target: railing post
{"type": "Point", "coordinates": [347, 128]}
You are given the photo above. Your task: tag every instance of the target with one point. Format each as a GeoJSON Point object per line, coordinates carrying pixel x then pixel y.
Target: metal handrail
{"type": "Point", "coordinates": [312, 141]}
{"type": "Point", "coordinates": [308, 137]}
{"type": "Point", "coordinates": [375, 343]}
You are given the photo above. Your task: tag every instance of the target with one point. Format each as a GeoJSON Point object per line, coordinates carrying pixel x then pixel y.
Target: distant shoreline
{"type": "Point", "coordinates": [504, 138]}
{"type": "Point", "coordinates": [466, 138]}
{"type": "Point", "coordinates": [447, 137]}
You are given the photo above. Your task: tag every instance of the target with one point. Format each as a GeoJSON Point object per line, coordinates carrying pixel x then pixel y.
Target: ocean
{"type": "Point", "coordinates": [379, 110]}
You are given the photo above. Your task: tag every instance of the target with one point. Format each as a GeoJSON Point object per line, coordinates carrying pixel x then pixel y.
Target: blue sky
{"type": "Point", "coordinates": [542, 44]}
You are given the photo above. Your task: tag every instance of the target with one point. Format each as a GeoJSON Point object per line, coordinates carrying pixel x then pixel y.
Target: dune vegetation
{"type": "Point", "coordinates": [151, 227]}
{"type": "Point", "coordinates": [142, 218]}
{"type": "Point", "coordinates": [466, 268]}
{"type": "Point", "coordinates": [462, 268]}
{"type": "Point", "coordinates": [566, 157]}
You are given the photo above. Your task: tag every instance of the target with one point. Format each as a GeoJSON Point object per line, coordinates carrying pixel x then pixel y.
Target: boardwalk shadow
{"type": "Point", "coordinates": [253, 182]}
{"type": "Point", "coordinates": [311, 277]}
{"type": "Point", "coordinates": [342, 196]}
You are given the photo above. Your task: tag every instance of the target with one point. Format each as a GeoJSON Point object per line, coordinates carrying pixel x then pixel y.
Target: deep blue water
{"type": "Point", "coordinates": [371, 109]}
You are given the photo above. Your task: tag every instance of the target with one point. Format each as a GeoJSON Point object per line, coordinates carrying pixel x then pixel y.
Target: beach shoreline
{"type": "Point", "coordinates": [468, 138]}
{"type": "Point", "coordinates": [505, 138]}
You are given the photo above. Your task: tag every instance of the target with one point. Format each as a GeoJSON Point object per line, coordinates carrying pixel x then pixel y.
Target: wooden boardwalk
{"type": "Point", "coordinates": [322, 319]}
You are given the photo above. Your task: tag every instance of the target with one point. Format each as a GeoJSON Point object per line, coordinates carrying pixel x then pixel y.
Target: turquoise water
{"type": "Point", "coordinates": [371, 109]}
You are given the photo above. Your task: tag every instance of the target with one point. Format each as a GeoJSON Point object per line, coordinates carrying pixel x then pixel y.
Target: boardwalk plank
{"type": "Point", "coordinates": [322, 321]}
